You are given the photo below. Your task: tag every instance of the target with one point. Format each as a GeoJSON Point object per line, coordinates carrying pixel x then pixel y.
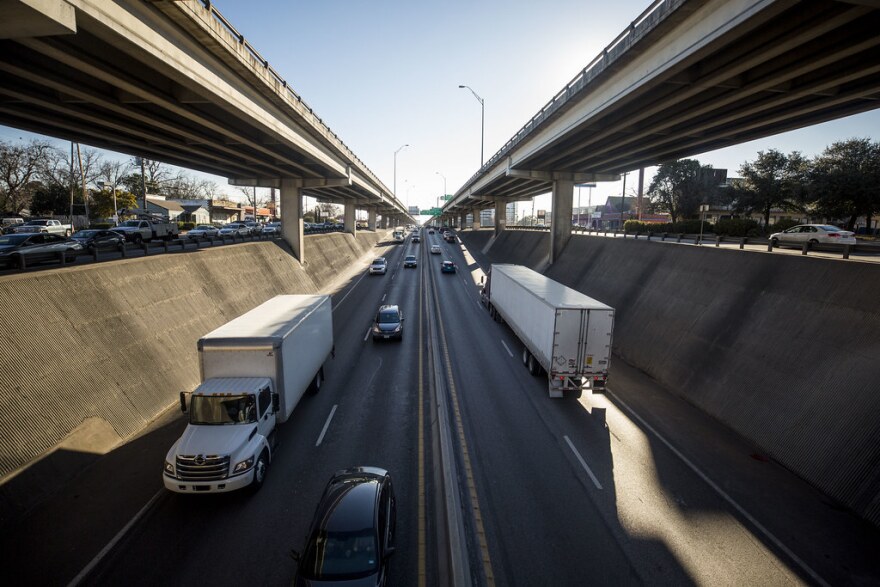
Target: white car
{"type": "Point", "coordinates": [814, 234]}
{"type": "Point", "coordinates": [272, 228]}
{"type": "Point", "coordinates": [203, 231]}
{"type": "Point", "coordinates": [235, 229]}
{"type": "Point", "coordinates": [435, 249]}
{"type": "Point", "coordinates": [379, 266]}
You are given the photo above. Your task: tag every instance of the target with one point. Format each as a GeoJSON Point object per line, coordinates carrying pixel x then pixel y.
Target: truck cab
{"type": "Point", "coordinates": [227, 444]}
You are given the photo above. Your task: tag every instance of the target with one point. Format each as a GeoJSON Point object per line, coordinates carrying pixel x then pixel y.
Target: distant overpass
{"type": "Point", "coordinates": [175, 82]}
{"type": "Point", "coordinates": [686, 77]}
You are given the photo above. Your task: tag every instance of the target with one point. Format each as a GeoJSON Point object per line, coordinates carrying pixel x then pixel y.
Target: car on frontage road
{"type": "Point", "coordinates": [272, 228]}
{"type": "Point", "coordinates": [26, 248]}
{"type": "Point", "coordinates": [203, 231]}
{"type": "Point", "coordinates": [93, 239]}
{"type": "Point", "coordinates": [235, 229]}
{"type": "Point", "coordinates": [813, 234]}
{"type": "Point", "coordinates": [352, 534]}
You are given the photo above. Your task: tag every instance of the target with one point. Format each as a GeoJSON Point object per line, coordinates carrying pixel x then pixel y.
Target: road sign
{"type": "Point", "coordinates": [432, 212]}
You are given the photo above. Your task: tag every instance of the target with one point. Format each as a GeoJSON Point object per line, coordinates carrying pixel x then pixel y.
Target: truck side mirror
{"type": "Point", "coordinates": [276, 402]}
{"type": "Point", "coordinates": [183, 401]}
{"type": "Point", "coordinates": [482, 279]}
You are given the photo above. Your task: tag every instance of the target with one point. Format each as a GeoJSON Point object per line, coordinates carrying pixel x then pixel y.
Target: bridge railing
{"type": "Point", "coordinates": [218, 16]}
{"type": "Point", "coordinates": [646, 21]}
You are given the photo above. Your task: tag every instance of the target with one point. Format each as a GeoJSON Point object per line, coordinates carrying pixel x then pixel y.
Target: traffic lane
{"type": "Point", "coordinates": [526, 486]}
{"type": "Point", "coordinates": [370, 425]}
{"type": "Point", "coordinates": [665, 516]}
{"type": "Point", "coordinates": [832, 544]}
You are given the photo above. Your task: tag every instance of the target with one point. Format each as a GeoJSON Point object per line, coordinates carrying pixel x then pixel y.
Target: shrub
{"type": "Point", "coordinates": [101, 225]}
{"type": "Point", "coordinates": [186, 225]}
{"type": "Point", "coordinates": [737, 227]}
{"type": "Point", "coordinates": [782, 224]}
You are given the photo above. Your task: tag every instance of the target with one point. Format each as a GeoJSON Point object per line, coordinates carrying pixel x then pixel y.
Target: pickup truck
{"type": "Point", "coordinates": [46, 225]}
{"type": "Point", "coordinates": [138, 231]}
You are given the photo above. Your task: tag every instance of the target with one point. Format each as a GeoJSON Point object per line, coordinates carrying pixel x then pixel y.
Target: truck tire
{"type": "Point", "coordinates": [315, 386]}
{"type": "Point", "coordinates": [525, 356]}
{"type": "Point", "coordinates": [261, 467]}
{"type": "Point", "coordinates": [137, 239]}
{"type": "Point", "coordinates": [534, 366]}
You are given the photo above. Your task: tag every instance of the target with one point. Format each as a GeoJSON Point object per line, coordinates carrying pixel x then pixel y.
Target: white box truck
{"type": "Point", "coordinates": [565, 334]}
{"type": "Point", "coordinates": [254, 371]}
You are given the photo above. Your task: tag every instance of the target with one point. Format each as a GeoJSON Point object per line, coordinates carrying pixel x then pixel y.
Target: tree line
{"type": "Point", "coordinates": [44, 180]}
{"type": "Point", "coordinates": [840, 185]}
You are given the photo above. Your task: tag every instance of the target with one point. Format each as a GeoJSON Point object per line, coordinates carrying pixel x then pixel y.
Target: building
{"type": "Point", "coordinates": [168, 209]}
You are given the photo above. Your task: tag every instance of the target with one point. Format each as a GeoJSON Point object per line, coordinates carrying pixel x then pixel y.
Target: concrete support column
{"type": "Point", "coordinates": [350, 218]}
{"type": "Point", "coordinates": [462, 221]}
{"type": "Point", "coordinates": [292, 219]}
{"type": "Point", "coordinates": [560, 225]}
{"type": "Point", "coordinates": [371, 219]}
{"type": "Point", "coordinates": [500, 216]}
{"type": "Point", "coordinates": [476, 214]}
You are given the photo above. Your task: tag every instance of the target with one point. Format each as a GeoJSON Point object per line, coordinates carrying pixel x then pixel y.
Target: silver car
{"type": "Point", "coordinates": [27, 248]}
{"type": "Point", "coordinates": [235, 229]}
{"type": "Point", "coordinates": [203, 231]}
{"type": "Point", "coordinates": [814, 234]}
{"type": "Point", "coordinates": [379, 266]}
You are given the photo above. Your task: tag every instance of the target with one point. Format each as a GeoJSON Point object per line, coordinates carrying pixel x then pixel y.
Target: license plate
{"type": "Point", "coordinates": [386, 336]}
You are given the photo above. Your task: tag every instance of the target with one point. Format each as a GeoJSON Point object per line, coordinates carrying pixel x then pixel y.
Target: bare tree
{"type": "Point", "coordinates": [189, 187]}
{"type": "Point", "coordinates": [19, 170]}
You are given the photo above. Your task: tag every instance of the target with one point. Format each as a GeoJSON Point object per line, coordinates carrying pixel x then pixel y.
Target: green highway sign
{"type": "Point", "coordinates": [432, 211]}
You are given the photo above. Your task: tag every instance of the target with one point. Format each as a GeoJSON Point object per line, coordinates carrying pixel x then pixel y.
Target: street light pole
{"type": "Point", "coordinates": [395, 169]}
{"type": "Point", "coordinates": [482, 119]}
{"type": "Point", "coordinates": [444, 183]}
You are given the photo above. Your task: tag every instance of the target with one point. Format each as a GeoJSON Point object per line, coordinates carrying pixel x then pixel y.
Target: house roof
{"type": "Point", "coordinates": [167, 204]}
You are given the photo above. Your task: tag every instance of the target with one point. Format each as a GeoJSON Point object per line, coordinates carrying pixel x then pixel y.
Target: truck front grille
{"type": "Point", "coordinates": [202, 468]}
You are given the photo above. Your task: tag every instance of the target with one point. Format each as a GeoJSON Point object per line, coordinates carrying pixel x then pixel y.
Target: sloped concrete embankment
{"type": "Point", "coordinates": [90, 355]}
{"type": "Point", "coordinates": [784, 350]}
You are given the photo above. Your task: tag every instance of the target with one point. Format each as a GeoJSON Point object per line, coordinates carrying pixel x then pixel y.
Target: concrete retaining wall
{"type": "Point", "coordinates": [783, 349]}
{"type": "Point", "coordinates": [90, 355]}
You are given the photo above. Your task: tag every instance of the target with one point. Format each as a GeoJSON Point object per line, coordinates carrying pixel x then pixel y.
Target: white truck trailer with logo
{"type": "Point", "coordinates": [565, 334]}
{"type": "Point", "coordinates": [254, 371]}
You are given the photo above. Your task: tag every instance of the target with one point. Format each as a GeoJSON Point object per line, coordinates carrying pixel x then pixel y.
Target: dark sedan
{"type": "Point", "coordinates": [93, 239]}
{"type": "Point", "coordinates": [18, 250]}
{"type": "Point", "coordinates": [447, 267]}
{"type": "Point", "coordinates": [352, 533]}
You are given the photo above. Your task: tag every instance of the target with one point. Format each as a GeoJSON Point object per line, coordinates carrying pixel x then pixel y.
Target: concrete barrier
{"type": "Point", "coordinates": [784, 350]}
{"type": "Point", "coordinates": [90, 355]}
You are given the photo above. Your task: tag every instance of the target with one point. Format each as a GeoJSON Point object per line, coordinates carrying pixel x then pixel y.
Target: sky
{"type": "Point", "coordinates": [383, 73]}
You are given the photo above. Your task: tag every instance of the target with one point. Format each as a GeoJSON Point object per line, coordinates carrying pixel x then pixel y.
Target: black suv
{"type": "Point", "coordinates": [352, 533]}
{"type": "Point", "coordinates": [388, 323]}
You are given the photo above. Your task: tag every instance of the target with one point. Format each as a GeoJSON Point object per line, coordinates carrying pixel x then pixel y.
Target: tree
{"type": "Point", "coordinates": [773, 180]}
{"type": "Point", "coordinates": [103, 204]}
{"type": "Point", "coordinates": [157, 174]}
{"type": "Point", "coordinates": [846, 181]}
{"type": "Point", "coordinates": [19, 168]}
{"type": "Point", "coordinates": [188, 187]}
{"type": "Point", "coordinates": [680, 187]}
{"type": "Point", "coordinates": [51, 198]}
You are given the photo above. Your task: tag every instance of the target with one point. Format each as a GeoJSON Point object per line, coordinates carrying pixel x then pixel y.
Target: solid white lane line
{"type": "Point", "coordinates": [84, 573]}
{"type": "Point", "coordinates": [348, 293]}
{"type": "Point", "coordinates": [367, 335]}
{"type": "Point", "coordinates": [326, 425]}
{"type": "Point", "coordinates": [383, 296]}
{"type": "Point", "coordinates": [723, 495]}
{"type": "Point", "coordinates": [507, 349]}
{"type": "Point", "coordinates": [583, 463]}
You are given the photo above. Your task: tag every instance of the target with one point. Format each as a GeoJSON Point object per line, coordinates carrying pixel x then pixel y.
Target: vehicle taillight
{"type": "Point", "coordinates": [834, 234]}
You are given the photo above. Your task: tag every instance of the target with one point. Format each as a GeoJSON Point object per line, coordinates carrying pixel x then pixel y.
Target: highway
{"type": "Point", "coordinates": [629, 488]}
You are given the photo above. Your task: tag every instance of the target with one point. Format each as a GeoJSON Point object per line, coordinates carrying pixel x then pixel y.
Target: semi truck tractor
{"type": "Point", "coordinates": [254, 371]}
{"type": "Point", "coordinates": [565, 334]}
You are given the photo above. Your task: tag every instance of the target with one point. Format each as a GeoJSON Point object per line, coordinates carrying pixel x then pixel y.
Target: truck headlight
{"type": "Point", "coordinates": [243, 466]}
{"type": "Point", "coordinates": [169, 469]}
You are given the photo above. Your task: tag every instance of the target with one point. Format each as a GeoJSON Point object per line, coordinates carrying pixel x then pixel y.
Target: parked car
{"type": "Point", "coordinates": [435, 249]}
{"type": "Point", "coordinates": [410, 261]}
{"type": "Point", "coordinates": [255, 227]}
{"type": "Point", "coordinates": [203, 231]}
{"type": "Point", "coordinates": [46, 225]}
{"type": "Point", "coordinates": [815, 234]}
{"type": "Point", "coordinates": [351, 538]}
{"type": "Point", "coordinates": [36, 247]}
{"type": "Point", "coordinates": [388, 323]}
{"type": "Point", "coordinates": [93, 239]}
{"type": "Point", "coordinates": [447, 267]}
{"type": "Point", "coordinates": [379, 266]}
{"type": "Point", "coordinates": [272, 228]}
{"type": "Point", "coordinates": [235, 229]}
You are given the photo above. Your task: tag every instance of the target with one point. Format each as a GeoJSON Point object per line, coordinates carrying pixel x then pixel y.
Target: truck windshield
{"type": "Point", "coordinates": [222, 409]}
{"type": "Point", "coordinates": [134, 223]}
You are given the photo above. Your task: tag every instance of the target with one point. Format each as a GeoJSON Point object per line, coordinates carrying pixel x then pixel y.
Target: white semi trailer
{"type": "Point", "coordinates": [565, 334]}
{"type": "Point", "coordinates": [254, 371]}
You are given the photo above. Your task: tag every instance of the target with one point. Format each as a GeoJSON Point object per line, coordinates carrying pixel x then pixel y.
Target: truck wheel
{"type": "Point", "coordinates": [315, 387]}
{"type": "Point", "coordinates": [138, 239]}
{"type": "Point", "coordinates": [525, 356]}
{"type": "Point", "coordinates": [534, 366]}
{"type": "Point", "coordinates": [260, 470]}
